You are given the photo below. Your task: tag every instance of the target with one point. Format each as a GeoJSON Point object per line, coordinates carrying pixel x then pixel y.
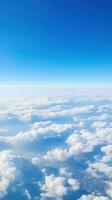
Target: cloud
{"type": "Point", "coordinates": [69, 112]}
{"type": "Point", "coordinates": [78, 143]}
{"type": "Point", "coordinates": [99, 124]}
{"type": "Point", "coordinates": [56, 155]}
{"type": "Point", "coordinates": [27, 194]}
{"type": "Point", "coordinates": [102, 164]}
{"type": "Point", "coordinates": [102, 167]}
{"type": "Point", "coordinates": [53, 187]}
{"type": "Point", "coordinates": [65, 172]}
{"type": "Point", "coordinates": [39, 130]}
{"type": "Point", "coordinates": [3, 130]}
{"type": "Point", "coordinates": [24, 110]}
{"type": "Point", "coordinates": [8, 171]}
{"type": "Point", "coordinates": [56, 186]}
{"type": "Point", "coordinates": [74, 184]}
{"type": "Point", "coordinates": [93, 197]}
{"type": "Point", "coordinates": [108, 153]}
{"type": "Point", "coordinates": [109, 189]}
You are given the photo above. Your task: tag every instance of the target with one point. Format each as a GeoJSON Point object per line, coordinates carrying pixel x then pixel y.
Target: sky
{"type": "Point", "coordinates": [58, 42]}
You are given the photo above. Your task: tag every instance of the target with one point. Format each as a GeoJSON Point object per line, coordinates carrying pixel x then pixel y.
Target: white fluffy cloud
{"type": "Point", "coordinates": [109, 189]}
{"type": "Point", "coordinates": [102, 167]}
{"type": "Point", "coordinates": [99, 124]}
{"type": "Point", "coordinates": [80, 142]}
{"type": "Point", "coordinates": [39, 129]}
{"type": "Point", "coordinates": [108, 153]}
{"type": "Point", "coordinates": [93, 197]}
{"type": "Point", "coordinates": [8, 171]}
{"type": "Point", "coordinates": [53, 187]}
{"type": "Point", "coordinates": [102, 164]}
{"type": "Point", "coordinates": [73, 183]}
{"type": "Point", "coordinates": [25, 109]}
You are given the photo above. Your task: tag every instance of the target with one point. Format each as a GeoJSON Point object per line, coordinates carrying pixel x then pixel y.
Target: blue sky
{"type": "Point", "coordinates": [56, 42]}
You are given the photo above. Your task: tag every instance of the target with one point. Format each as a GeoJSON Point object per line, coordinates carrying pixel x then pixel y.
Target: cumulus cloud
{"type": "Point", "coordinates": [93, 197]}
{"type": "Point", "coordinates": [8, 171]}
{"type": "Point", "coordinates": [74, 184]}
{"type": "Point", "coordinates": [102, 167]}
{"type": "Point", "coordinates": [78, 143]}
{"type": "Point", "coordinates": [103, 163]}
{"type": "Point", "coordinates": [53, 187]}
{"type": "Point", "coordinates": [65, 172]}
{"type": "Point", "coordinates": [39, 129]}
{"type": "Point", "coordinates": [109, 189]}
{"type": "Point", "coordinates": [69, 112]}
{"type": "Point", "coordinates": [108, 153]}
{"type": "Point", "coordinates": [56, 186]}
{"type": "Point", "coordinates": [25, 109]}
{"type": "Point", "coordinates": [99, 124]}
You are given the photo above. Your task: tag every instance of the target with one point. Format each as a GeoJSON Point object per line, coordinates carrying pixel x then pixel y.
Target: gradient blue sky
{"type": "Point", "coordinates": [56, 42]}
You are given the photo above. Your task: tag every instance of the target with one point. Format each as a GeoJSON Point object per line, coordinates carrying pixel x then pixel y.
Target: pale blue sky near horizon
{"type": "Point", "coordinates": [56, 42]}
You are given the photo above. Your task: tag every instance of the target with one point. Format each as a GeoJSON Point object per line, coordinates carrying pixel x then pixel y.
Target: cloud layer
{"type": "Point", "coordinates": [56, 148]}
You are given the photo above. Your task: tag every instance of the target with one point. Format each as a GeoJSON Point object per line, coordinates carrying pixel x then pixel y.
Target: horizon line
{"type": "Point", "coordinates": [54, 86]}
